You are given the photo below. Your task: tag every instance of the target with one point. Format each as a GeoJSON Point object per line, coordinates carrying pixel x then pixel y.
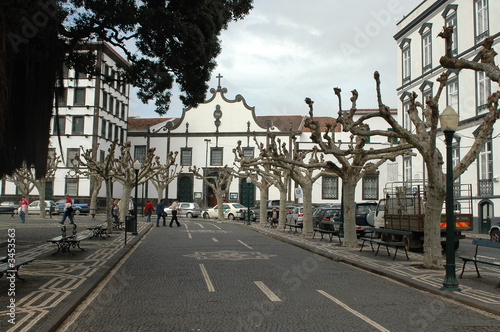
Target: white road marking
{"type": "Point", "coordinates": [267, 291]}
{"type": "Point", "coordinates": [246, 245]}
{"type": "Point", "coordinates": [210, 286]}
{"type": "Point", "coordinates": [217, 227]}
{"type": "Point", "coordinates": [201, 226]}
{"type": "Point", "coordinates": [215, 240]}
{"type": "Point", "coordinates": [354, 312]}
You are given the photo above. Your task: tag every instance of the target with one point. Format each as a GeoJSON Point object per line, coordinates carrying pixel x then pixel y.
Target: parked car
{"type": "Point", "coordinates": [326, 213]}
{"type": "Point", "coordinates": [296, 216]}
{"type": "Point", "coordinates": [189, 210]}
{"type": "Point", "coordinates": [9, 207]}
{"type": "Point", "coordinates": [495, 232]}
{"type": "Point", "coordinates": [78, 208]}
{"type": "Point", "coordinates": [376, 217]}
{"type": "Point", "coordinates": [231, 211]}
{"type": "Point", "coordinates": [362, 211]}
{"type": "Point", "coordinates": [34, 207]}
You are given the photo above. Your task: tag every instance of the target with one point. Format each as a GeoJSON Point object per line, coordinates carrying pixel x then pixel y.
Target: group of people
{"type": "Point", "coordinates": [67, 213]}
{"type": "Point", "coordinates": [160, 212]}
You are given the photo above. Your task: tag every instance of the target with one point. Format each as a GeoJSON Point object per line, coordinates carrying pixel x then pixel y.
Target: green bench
{"type": "Point", "coordinates": [390, 233]}
{"type": "Point", "coordinates": [12, 266]}
{"type": "Point", "coordinates": [331, 228]}
{"type": "Point", "coordinates": [481, 259]}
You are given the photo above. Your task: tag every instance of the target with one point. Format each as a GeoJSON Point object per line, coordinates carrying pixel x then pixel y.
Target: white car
{"type": "Point", "coordinates": [34, 207]}
{"type": "Point", "coordinates": [231, 211]}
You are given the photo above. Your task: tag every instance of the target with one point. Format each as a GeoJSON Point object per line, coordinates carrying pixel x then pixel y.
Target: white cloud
{"type": "Point", "coordinates": [286, 50]}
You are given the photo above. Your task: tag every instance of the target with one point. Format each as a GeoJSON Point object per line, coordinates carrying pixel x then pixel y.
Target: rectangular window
{"type": "Point", "coordinates": [330, 187]}
{"type": "Point", "coordinates": [102, 155]}
{"type": "Point", "coordinates": [80, 74]}
{"type": "Point", "coordinates": [186, 156]}
{"type": "Point", "coordinates": [370, 187]}
{"type": "Point", "coordinates": [117, 131]}
{"type": "Point", "coordinates": [426, 51]}
{"type": "Point", "coordinates": [111, 103]}
{"type": "Point", "coordinates": [105, 100]}
{"type": "Point", "coordinates": [216, 156]}
{"type": "Point", "coordinates": [60, 121]}
{"type": "Point", "coordinates": [110, 130]}
{"type": "Point", "coordinates": [408, 174]}
{"type": "Point", "coordinates": [71, 187]}
{"type": "Point", "coordinates": [122, 135]}
{"type": "Point", "coordinates": [407, 122]}
{"type": "Point", "coordinates": [481, 8]}
{"type": "Point", "coordinates": [79, 97]}
{"type": "Point", "coordinates": [248, 153]}
{"type": "Point", "coordinates": [103, 128]}
{"type": "Point", "coordinates": [452, 93]}
{"type": "Point", "coordinates": [117, 107]}
{"type": "Point", "coordinates": [485, 167]}
{"type": "Point", "coordinates": [451, 20]}
{"type": "Point", "coordinates": [62, 96]}
{"type": "Point", "coordinates": [483, 91]}
{"type": "Point", "coordinates": [71, 154]}
{"type": "Point", "coordinates": [123, 111]}
{"type": "Point", "coordinates": [406, 63]}
{"type": "Point", "coordinates": [78, 123]}
{"type": "Point", "coordinates": [140, 152]}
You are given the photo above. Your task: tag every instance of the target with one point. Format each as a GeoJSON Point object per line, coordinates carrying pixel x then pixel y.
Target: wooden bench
{"type": "Point", "coordinates": [331, 228]}
{"type": "Point", "coordinates": [12, 266]}
{"type": "Point", "coordinates": [481, 259]}
{"type": "Point", "coordinates": [294, 226]}
{"type": "Point", "coordinates": [99, 231]}
{"type": "Point", "coordinates": [387, 243]}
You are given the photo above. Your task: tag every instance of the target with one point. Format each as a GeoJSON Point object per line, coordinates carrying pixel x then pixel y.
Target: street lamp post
{"type": "Point", "coordinates": [449, 124]}
{"type": "Point", "coordinates": [248, 181]}
{"type": "Point", "coordinates": [137, 167]}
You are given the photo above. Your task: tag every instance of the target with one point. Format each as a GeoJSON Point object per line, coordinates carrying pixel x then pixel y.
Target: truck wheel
{"type": "Point", "coordinates": [495, 235]}
{"type": "Point", "coordinates": [457, 245]}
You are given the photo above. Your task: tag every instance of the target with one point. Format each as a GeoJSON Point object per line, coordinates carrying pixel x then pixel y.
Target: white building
{"type": "Point", "coordinates": [205, 137]}
{"type": "Point", "coordinates": [92, 112]}
{"type": "Point", "coordinates": [419, 51]}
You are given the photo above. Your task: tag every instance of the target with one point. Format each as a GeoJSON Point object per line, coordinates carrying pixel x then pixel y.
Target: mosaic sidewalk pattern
{"type": "Point", "coordinates": [64, 274]}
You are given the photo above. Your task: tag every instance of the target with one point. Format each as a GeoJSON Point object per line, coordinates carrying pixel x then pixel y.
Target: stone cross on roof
{"type": "Point", "coordinates": [218, 84]}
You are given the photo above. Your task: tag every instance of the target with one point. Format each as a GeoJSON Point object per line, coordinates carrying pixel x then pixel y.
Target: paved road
{"type": "Point", "coordinates": [207, 276]}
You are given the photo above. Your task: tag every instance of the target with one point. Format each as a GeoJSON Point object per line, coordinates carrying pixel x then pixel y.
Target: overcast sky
{"type": "Point", "coordinates": [286, 50]}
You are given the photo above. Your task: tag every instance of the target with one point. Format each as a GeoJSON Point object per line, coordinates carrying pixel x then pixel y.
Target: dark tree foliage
{"type": "Point", "coordinates": [175, 41]}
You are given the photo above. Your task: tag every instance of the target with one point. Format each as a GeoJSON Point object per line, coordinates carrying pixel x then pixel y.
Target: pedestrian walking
{"type": "Point", "coordinates": [115, 208]}
{"type": "Point", "coordinates": [23, 209]}
{"type": "Point", "coordinates": [68, 210]}
{"type": "Point", "coordinates": [148, 210]}
{"type": "Point", "coordinates": [160, 213]}
{"type": "Point", "coordinates": [131, 206]}
{"type": "Point", "coordinates": [174, 208]}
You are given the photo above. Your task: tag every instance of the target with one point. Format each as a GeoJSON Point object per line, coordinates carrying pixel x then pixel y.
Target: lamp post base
{"type": "Point", "coordinates": [450, 282]}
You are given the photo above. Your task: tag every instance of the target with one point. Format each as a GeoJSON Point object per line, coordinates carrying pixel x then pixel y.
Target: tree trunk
{"type": "Point", "coordinates": [308, 227]}
{"type": "Point", "coordinates": [432, 232]}
{"type": "Point", "coordinates": [127, 190]}
{"type": "Point", "coordinates": [282, 218]}
{"type": "Point", "coordinates": [263, 207]}
{"type": "Point", "coordinates": [109, 202]}
{"type": "Point", "coordinates": [348, 200]}
{"type": "Point", "coordinates": [220, 202]}
{"type": "Point", "coordinates": [40, 186]}
{"type": "Point", "coordinates": [97, 185]}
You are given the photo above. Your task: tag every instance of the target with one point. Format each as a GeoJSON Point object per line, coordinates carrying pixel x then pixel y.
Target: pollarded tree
{"type": "Point", "coordinates": [174, 41]}
{"type": "Point", "coordinates": [219, 183]}
{"type": "Point", "coordinates": [25, 178]}
{"type": "Point", "coordinates": [88, 165]}
{"type": "Point", "coordinates": [353, 162]}
{"type": "Point", "coordinates": [123, 172]}
{"type": "Point", "coordinates": [425, 121]}
{"type": "Point", "coordinates": [165, 173]}
{"type": "Point", "coordinates": [303, 172]}
{"type": "Point", "coordinates": [263, 176]}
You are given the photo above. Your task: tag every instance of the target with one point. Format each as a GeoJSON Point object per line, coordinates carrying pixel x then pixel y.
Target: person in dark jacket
{"type": "Point", "coordinates": [160, 212]}
{"type": "Point", "coordinates": [273, 217]}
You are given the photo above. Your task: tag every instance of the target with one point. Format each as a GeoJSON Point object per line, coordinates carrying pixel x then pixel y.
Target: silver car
{"type": "Point", "coordinates": [189, 210]}
{"type": "Point", "coordinates": [34, 207]}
